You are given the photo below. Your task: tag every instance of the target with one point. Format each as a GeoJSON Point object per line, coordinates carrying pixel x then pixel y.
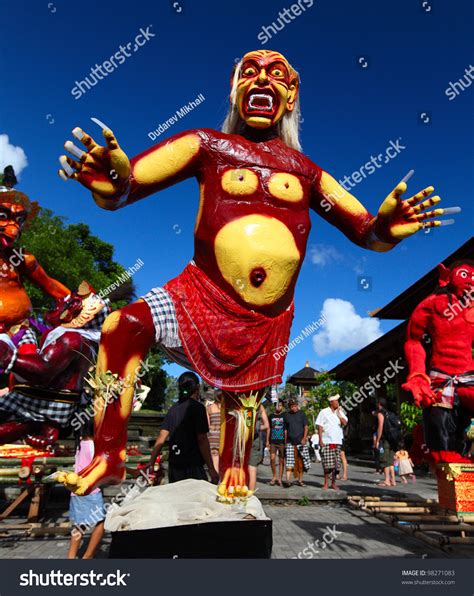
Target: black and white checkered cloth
{"type": "Point", "coordinates": [24, 408]}
{"type": "Point", "coordinates": [290, 456]}
{"type": "Point", "coordinates": [28, 337]}
{"type": "Point", "coordinates": [331, 458]}
{"type": "Point", "coordinates": [164, 317]}
{"type": "Point", "coordinates": [98, 321]}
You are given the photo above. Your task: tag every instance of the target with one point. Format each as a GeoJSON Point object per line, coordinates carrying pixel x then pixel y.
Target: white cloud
{"type": "Point", "coordinates": [11, 155]}
{"type": "Point", "coordinates": [326, 254]}
{"type": "Point", "coordinates": [323, 254]}
{"type": "Point", "coordinates": [344, 329]}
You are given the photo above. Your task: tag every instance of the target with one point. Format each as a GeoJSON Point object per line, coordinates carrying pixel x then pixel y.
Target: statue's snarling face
{"type": "Point", "coordinates": [12, 220]}
{"type": "Point", "coordinates": [266, 89]}
{"type": "Point", "coordinates": [461, 281]}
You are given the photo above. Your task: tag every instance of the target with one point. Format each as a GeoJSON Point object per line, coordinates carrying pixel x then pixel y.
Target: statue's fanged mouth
{"type": "Point", "coordinates": [260, 102]}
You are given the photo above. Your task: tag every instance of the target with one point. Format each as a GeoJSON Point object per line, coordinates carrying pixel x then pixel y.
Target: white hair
{"type": "Point", "coordinates": [288, 127]}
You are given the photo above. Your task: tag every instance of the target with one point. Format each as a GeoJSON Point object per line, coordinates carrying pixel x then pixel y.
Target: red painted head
{"type": "Point", "coordinates": [459, 278]}
{"type": "Point", "coordinates": [15, 210]}
{"type": "Point", "coordinates": [267, 88]}
{"type": "Point", "coordinates": [65, 310]}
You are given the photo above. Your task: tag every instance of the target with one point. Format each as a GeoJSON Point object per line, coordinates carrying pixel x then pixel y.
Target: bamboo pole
{"type": "Point", "coordinates": [444, 528]}
{"type": "Point", "coordinates": [401, 510]}
{"type": "Point", "coordinates": [458, 540]}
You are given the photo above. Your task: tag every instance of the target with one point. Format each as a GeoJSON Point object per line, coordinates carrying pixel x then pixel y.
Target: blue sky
{"type": "Point", "coordinates": [413, 50]}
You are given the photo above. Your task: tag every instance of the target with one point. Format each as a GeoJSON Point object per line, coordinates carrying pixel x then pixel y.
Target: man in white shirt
{"type": "Point", "coordinates": [330, 422]}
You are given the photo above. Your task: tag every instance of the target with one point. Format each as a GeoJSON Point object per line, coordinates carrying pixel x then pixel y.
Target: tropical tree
{"type": "Point", "coordinates": [70, 254]}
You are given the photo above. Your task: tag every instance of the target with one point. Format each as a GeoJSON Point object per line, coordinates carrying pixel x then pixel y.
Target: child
{"type": "Point", "coordinates": [86, 512]}
{"type": "Point", "coordinates": [405, 465]}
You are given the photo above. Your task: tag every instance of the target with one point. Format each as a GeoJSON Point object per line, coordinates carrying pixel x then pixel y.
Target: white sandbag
{"type": "Point", "coordinates": [179, 503]}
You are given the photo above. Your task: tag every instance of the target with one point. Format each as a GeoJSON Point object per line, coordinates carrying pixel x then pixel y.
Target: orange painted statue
{"type": "Point", "coordinates": [16, 264]}
{"type": "Point", "coordinates": [229, 313]}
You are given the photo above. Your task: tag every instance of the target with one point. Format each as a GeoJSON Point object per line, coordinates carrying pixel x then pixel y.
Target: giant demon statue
{"type": "Point", "coordinates": [229, 312]}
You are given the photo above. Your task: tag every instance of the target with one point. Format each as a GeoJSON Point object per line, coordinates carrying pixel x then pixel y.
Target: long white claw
{"type": "Point", "coordinates": [78, 133]}
{"type": "Point", "coordinates": [62, 175]}
{"type": "Point", "coordinates": [447, 222]}
{"type": "Point", "coordinates": [66, 167]}
{"type": "Point", "coordinates": [101, 124]}
{"type": "Point", "coordinates": [73, 149]}
{"type": "Point", "coordinates": [408, 176]}
{"type": "Point", "coordinates": [451, 210]}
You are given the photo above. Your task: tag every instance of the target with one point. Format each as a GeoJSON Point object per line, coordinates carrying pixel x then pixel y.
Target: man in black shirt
{"type": "Point", "coordinates": [186, 427]}
{"type": "Point", "coordinates": [297, 453]}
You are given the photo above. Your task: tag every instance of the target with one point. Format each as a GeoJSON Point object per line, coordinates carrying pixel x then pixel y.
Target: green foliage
{"type": "Point", "coordinates": [70, 254]}
{"type": "Point", "coordinates": [410, 416]}
{"type": "Point", "coordinates": [303, 502]}
{"type": "Point", "coordinates": [318, 397]}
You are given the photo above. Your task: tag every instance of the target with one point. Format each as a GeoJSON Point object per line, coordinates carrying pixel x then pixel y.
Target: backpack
{"type": "Point", "coordinates": [392, 428]}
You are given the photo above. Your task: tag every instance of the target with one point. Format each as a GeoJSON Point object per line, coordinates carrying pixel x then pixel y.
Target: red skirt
{"type": "Point", "coordinates": [229, 346]}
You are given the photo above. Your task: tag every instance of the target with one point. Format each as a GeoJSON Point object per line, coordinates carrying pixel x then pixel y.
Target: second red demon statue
{"type": "Point", "coordinates": [444, 387]}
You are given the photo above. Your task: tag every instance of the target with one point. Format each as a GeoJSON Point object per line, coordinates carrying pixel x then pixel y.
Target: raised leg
{"type": "Point", "coordinates": [127, 336]}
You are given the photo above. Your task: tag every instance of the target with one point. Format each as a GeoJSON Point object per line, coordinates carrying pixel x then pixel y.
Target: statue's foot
{"type": "Point", "coordinates": [233, 486]}
{"type": "Point", "coordinates": [106, 468]}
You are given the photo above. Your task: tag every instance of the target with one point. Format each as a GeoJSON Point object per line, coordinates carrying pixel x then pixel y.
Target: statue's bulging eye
{"type": "Point", "coordinates": [276, 72]}
{"type": "Point", "coordinates": [3, 217]}
{"type": "Point", "coordinates": [249, 71]}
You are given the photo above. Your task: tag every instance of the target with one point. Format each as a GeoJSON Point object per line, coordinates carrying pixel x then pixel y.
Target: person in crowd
{"type": "Point", "coordinates": [277, 442]}
{"type": "Point", "coordinates": [384, 445]}
{"type": "Point", "coordinates": [375, 451]}
{"type": "Point", "coordinates": [405, 465]}
{"type": "Point", "coordinates": [330, 422]}
{"type": "Point", "coordinates": [213, 409]}
{"type": "Point", "coordinates": [298, 460]}
{"type": "Point", "coordinates": [185, 427]}
{"type": "Point", "coordinates": [314, 441]}
{"type": "Point", "coordinates": [86, 512]}
{"type": "Point", "coordinates": [262, 427]}
{"type": "Point", "coordinates": [343, 454]}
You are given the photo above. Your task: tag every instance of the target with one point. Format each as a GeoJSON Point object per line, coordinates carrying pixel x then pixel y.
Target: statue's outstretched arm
{"type": "Point", "coordinates": [116, 181]}
{"type": "Point", "coordinates": [396, 219]}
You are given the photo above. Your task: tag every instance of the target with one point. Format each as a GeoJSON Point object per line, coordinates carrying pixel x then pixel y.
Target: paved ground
{"type": "Point", "coordinates": [297, 523]}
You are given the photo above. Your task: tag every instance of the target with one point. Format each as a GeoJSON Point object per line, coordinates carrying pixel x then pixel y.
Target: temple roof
{"type": "Point", "coordinates": [305, 376]}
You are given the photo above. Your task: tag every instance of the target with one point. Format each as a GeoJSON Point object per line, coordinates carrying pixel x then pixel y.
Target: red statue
{"type": "Point", "coordinates": [47, 385]}
{"type": "Point", "coordinates": [229, 312]}
{"type": "Point", "coordinates": [16, 264]}
{"type": "Point", "coordinates": [445, 389]}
